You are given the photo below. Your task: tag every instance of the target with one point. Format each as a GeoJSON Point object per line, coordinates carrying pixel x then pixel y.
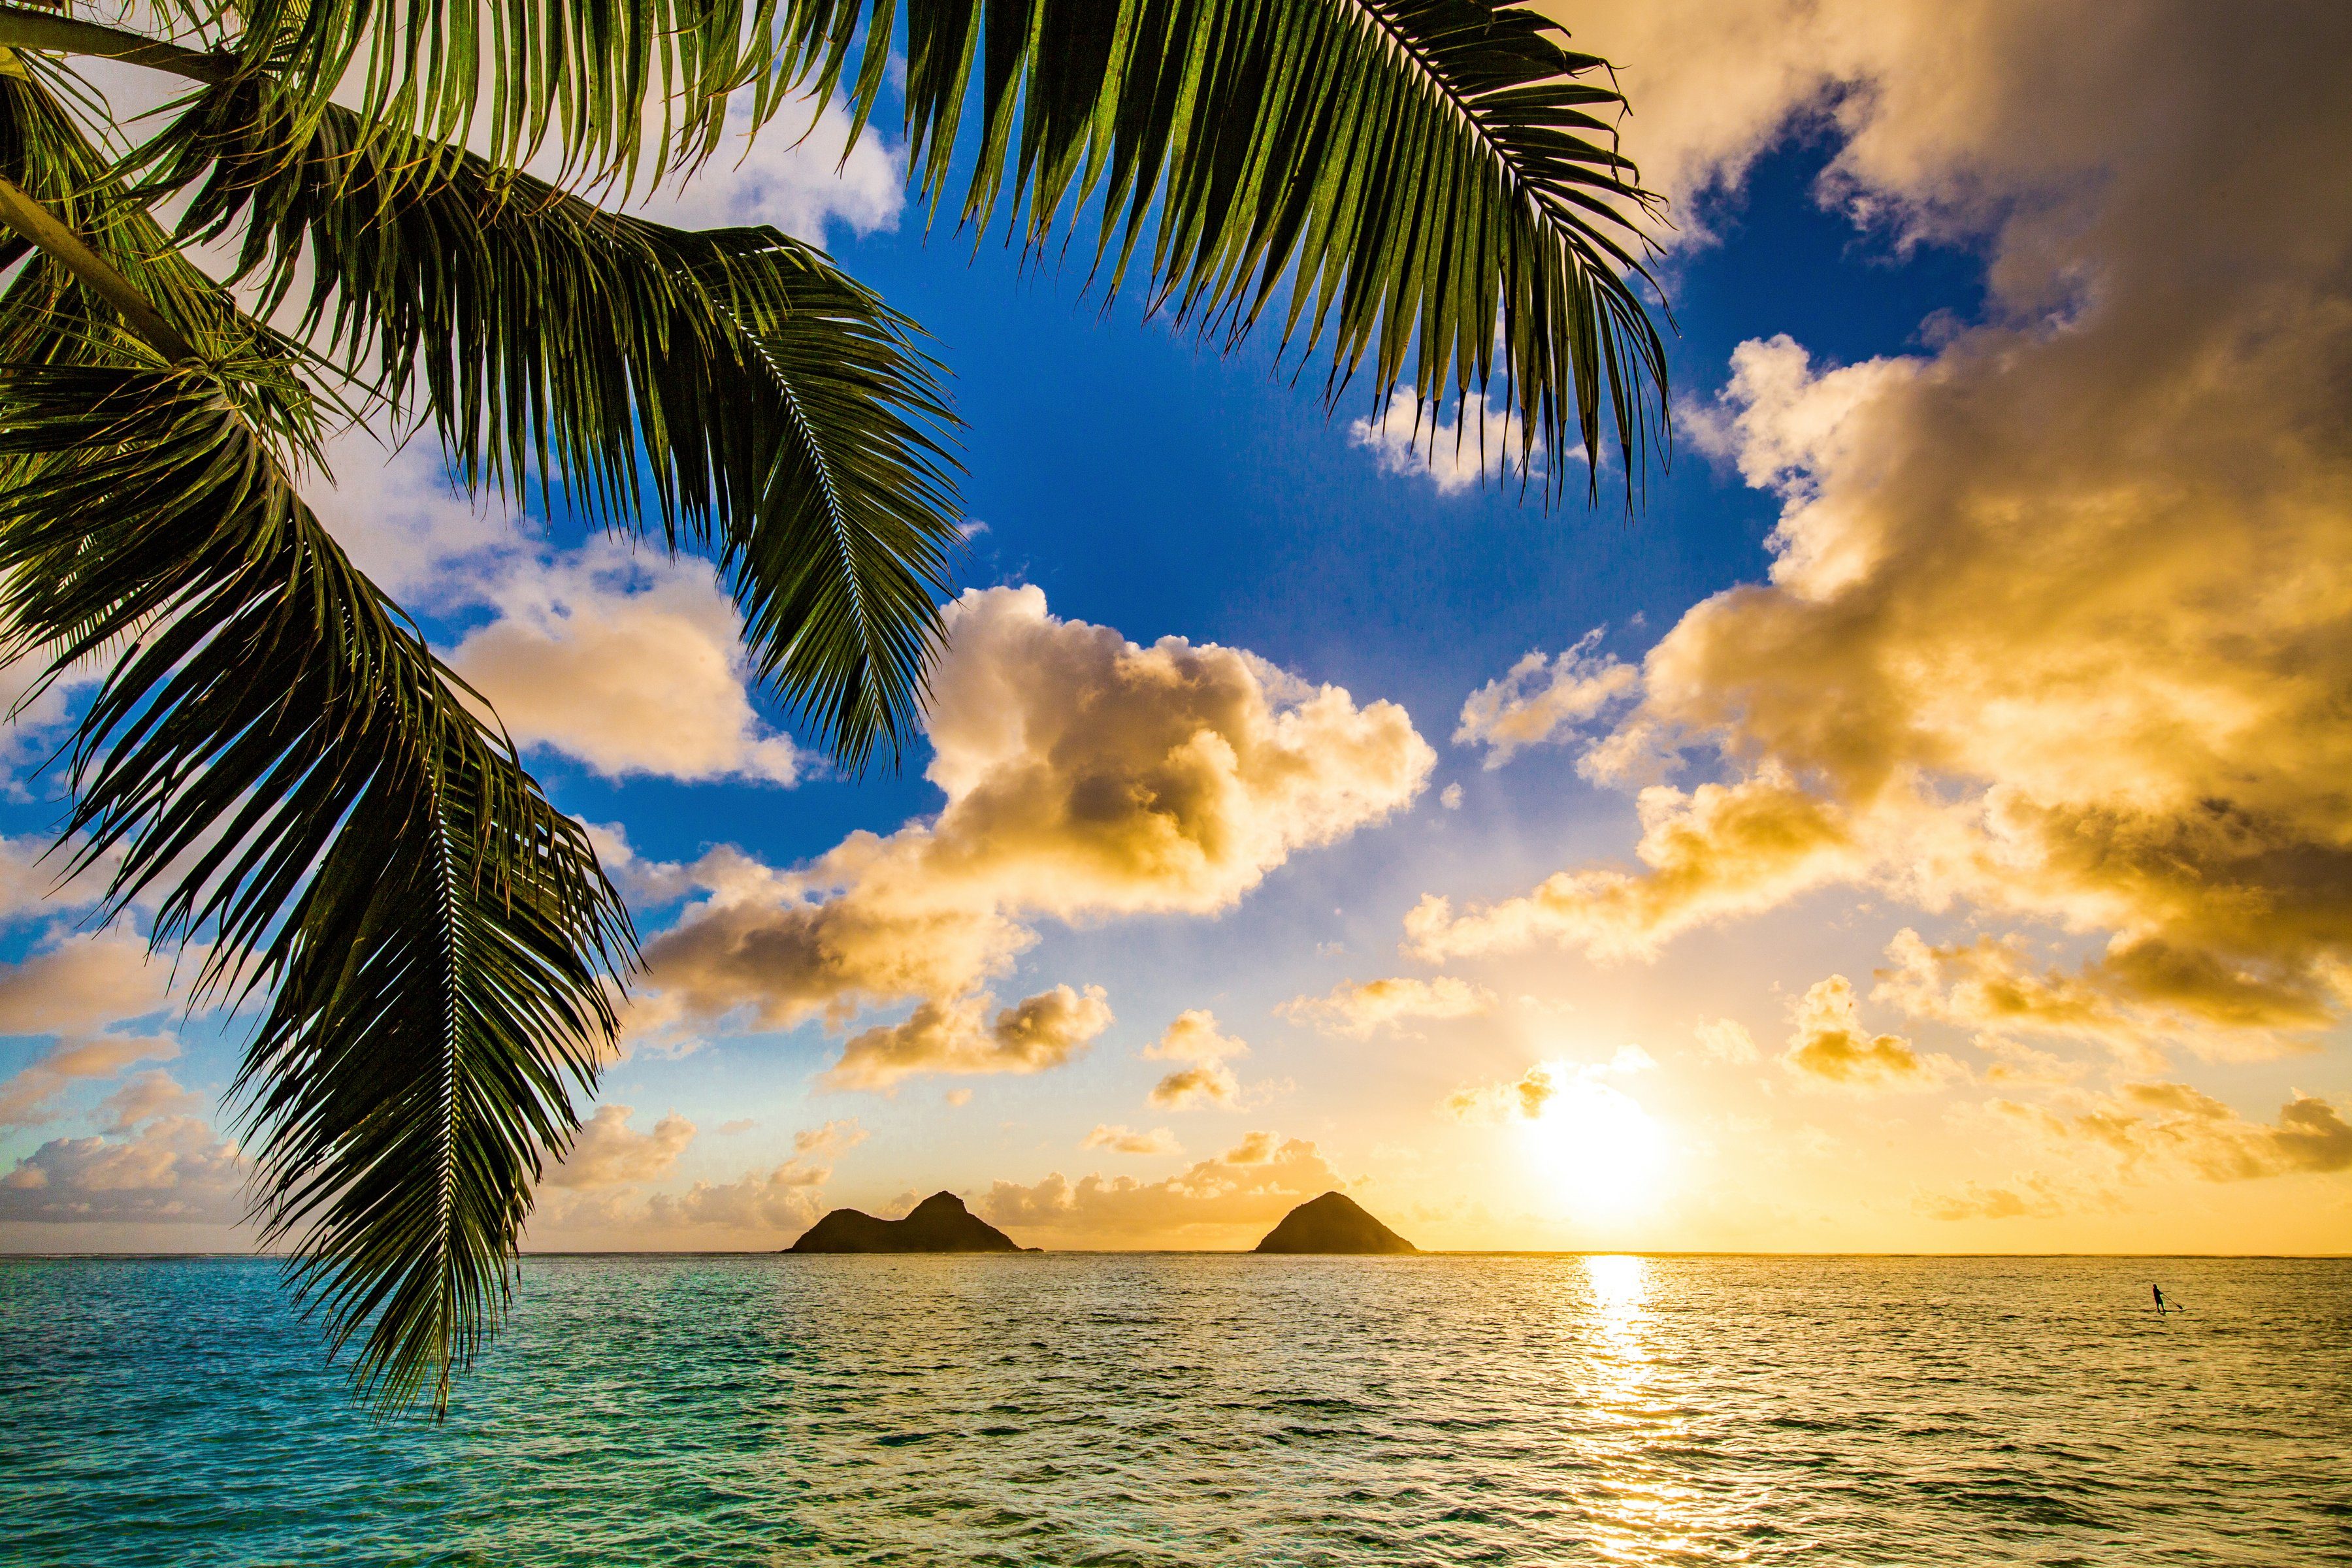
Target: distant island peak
{"type": "Point", "coordinates": [1333, 1223]}
{"type": "Point", "coordinates": [939, 1224]}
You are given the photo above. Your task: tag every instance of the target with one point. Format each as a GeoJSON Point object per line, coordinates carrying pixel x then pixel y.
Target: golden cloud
{"type": "Point", "coordinates": [1032, 1035]}
{"type": "Point", "coordinates": [1361, 1008]}
{"type": "Point", "coordinates": [1126, 1141]}
{"type": "Point", "coordinates": [606, 1152]}
{"type": "Point", "coordinates": [2057, 622]}
{"type": "Point", "coordinates": [631, 664]}
{"type": "Point", "coordinates": [1830, 1046]}
{"type": "Point", "coordinates": [2157, 1125]}
{"type": "Point", "coordinates": [1085, 777]}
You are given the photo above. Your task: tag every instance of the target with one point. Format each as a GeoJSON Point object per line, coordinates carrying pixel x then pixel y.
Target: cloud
{"type": "Point", "coordinates": [2024, 1197]}
{"type": "Point", "coordinates": [1194, 1088]}
{"type": "Point", "coordinates": [1251, 1184]}
{"type": "Point", "coordinates": [173, 1169]}
{"type": "Point", "coordinates": [758, 1210]}
{"type": "Point", "coordinates": [1482, 439]}
{"type": "Point", "coordinates": [75, 983]}
{"type": "Point", "coordinates": [1538, 698]}
{"type": "Point", "coordinates": [604, 1152]}
{"type": "Point", "coordinates": [144, 1096]}
{"type": "Point", "coordinates": [792, 175]}
{"type": "Point", "coordinates": [2152, 1127]}
{"type": "Point", "coordinates": [30, 1097]}
{"type": "Point", "coordinates": [1195, 1038]}
{"type": "Point", "coordinates": [391, 505]}
{"type": "Point", "coordinates": [633, 664]}
{"type": "Point", "coordinates": [1830, 1046]}
{"type": "Point", "coordinates": [1523, 1097]}
{"type": "Point", "coordinates": [2070, 588]}
{"type": "Point", "coordinates": [1726, 1040]}
{"type": "Point", "coordinates": [1126, 1141]}
{"type": "Point", "coordinates": [1712, 853]}
{"type": "Point", "coordinates": [1038, 1032]}
{"type": "Point", "coordinates": [1086, 778]}
{"type": "Point", "coordinates": [1449, 797]}
{"type": "Point", "coordinates": [1360, 1008]}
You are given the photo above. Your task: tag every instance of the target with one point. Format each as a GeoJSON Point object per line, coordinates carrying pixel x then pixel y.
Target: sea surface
{"type": "Point", "coordinates": [1187, 1409]}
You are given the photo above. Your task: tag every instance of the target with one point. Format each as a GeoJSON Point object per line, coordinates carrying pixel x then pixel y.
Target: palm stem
{"type": "Point", "coordinates": [42, 227]}
{"type": "Point", "coordinates": [26, 29]}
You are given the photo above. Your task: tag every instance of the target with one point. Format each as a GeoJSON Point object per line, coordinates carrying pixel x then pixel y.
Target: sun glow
{"type": "Point", "coordinates": [1596, 1146]}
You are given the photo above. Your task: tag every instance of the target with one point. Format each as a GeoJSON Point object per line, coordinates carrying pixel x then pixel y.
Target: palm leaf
{"type": "Point", "coordinates": [731, 382]}
{"type": "Point", "coordinates": [1434, 181]}
{"type": "Point", "coordinates": [306, 787]}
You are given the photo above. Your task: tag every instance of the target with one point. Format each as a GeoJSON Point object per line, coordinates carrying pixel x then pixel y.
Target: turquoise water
{"type": "Point", "coordinates": [1171, 1409]}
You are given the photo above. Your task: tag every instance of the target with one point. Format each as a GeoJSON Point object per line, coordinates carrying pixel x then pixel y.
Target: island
{"type": "Point", "coordinates": [939, 1224]}
{"type": "Point", "coordinates": [1332, 1222]}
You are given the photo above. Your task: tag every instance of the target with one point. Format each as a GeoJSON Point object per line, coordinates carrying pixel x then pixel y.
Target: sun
{"type": "Point", "coordinates": [1599, 1150]}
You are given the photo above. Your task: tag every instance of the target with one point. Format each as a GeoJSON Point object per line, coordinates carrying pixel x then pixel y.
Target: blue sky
{"type": "Point", "coordinates": [1750, 1057]}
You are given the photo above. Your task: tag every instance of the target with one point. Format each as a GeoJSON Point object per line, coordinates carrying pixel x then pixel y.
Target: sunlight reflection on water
{"type": "Point", "coordinates": [1173, 1410]}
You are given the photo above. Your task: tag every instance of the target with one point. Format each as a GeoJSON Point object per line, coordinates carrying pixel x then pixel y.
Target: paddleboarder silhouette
{"type": "Point", "coordinates": [2163, 1306]}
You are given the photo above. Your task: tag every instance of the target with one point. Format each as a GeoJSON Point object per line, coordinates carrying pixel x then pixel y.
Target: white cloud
{"type": "Point", "coordinates": [799, 183]}
{"type": "Point", "coordinates": [1195, 1039]}
{"type": "Point", "coordinates": [1479, 441]}
{"type": "Point", "coordinates": [1538, 698]}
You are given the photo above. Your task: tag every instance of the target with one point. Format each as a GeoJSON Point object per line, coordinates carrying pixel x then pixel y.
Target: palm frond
{"type": "Point", "coordinates": [732, 382]}
{"type": "Point", "coordinates": [300, 783]}
{"type": "Point", "coordinates": [1434, 180]}
{"type": "Point", "coordinates": [614, 90]}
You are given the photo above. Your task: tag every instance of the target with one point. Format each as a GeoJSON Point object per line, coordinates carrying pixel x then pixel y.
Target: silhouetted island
{"type": "Point", "coordinates": [939, 1224]}
{"type": "Point", "coordinates": [1332, 1222]}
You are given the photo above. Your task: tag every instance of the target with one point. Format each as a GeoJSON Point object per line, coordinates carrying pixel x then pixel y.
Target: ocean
{"type": "Point", "coordinates": [1178, 1409]}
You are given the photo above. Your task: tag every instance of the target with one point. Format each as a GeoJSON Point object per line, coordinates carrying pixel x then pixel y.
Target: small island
{"type": "Point", "coordinates": [1332, 1222]}
{"type": "Point", "coordinates": [939, 1224]}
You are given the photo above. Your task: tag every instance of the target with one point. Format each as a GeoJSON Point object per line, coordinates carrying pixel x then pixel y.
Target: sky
{"type": "Point", "coordinates": [1919, 825]}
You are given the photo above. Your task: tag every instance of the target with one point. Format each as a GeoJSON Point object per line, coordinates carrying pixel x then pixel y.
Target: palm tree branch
{"type": "Point", "coordinates": [781, 415]}
{"type": "Point", "coordinates": [281, 759]}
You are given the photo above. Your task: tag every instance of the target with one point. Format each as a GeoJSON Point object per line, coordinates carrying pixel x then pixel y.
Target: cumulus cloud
{"type": "Point", "coordinates": [758, 1209]}
{"type": "Point", "coordinates": [1713, 852]}
{"type": "Point", "coordinates": [1482, 438]}
{"type": "Point", "coordinates": [2154, 1127]}
{"type": "Point", "coordinates": [633, 664]}
{"type": "Point", "coordinates": [606, 1152]}
{"type": "Point", "coordinates": [1360, 1008]}
{"type": "Point", "coordinates": [1251, 1184]}
{"type": "Point", "coordinates": [170, 1169]}
{"type": "Point", "coordinates": [78, 989]}
{"type": "Point", "coordinates": [1538, 698]}
{"type": "Point", "coordinates": [794, 175]}
{"type": "Point", "coordinates": [1126, 1141]}
{"type": "Point", "coordinates": [1086, 778]}
{"type": "Point", "coordinates": [2068, 593]}
{"type": "Point", "coordinates": [956, 1036]}
{"type": "Point", "coordinates": [1830, 1046]}
{"type": "Point", "coordinates": [393, 506]}
{"type": "Point", "coordinates": [1195, 1039]}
